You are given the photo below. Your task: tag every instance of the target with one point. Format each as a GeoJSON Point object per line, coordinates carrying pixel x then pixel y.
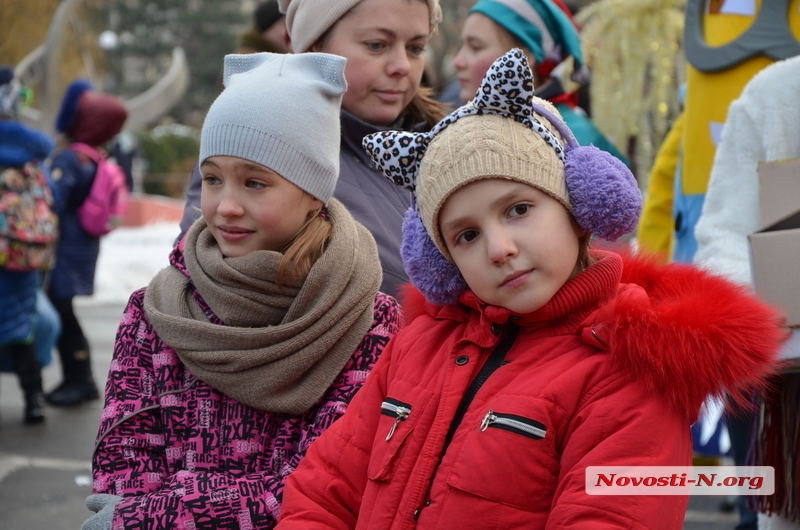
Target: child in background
{"type": "Point", "coordinates": [26, 222]}
{"type": "Point", "coordinates": [238, 356]}
{"type": "Point", "coordinates": [532, 357]}
{"type": "Point", "coordinates": [549, 36]}
{"type": "Point", "coordinates": [91, 118]}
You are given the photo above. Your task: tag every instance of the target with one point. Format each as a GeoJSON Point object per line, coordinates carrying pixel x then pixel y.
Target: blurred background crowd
{"type": "Point", "coordinates": [656, 77]}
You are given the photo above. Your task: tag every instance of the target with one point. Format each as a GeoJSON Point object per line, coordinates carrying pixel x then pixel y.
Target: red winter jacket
{"type": "Point", "coordinates": [612, 371]}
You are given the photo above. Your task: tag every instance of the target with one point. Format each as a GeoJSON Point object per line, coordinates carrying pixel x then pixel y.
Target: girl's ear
{"type": "Point", "coordinates": [578, 229]}
{"type": "Point", "coordinates": [316, 207]}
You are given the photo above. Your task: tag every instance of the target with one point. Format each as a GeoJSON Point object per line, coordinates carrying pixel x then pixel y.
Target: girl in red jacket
{"type": "Point", "coordinates": [531, 357]}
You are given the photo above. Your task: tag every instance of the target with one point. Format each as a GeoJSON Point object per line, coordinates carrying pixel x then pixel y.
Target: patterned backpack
{"type": "Point", "coordinates": [28, 224]}
{"type": "Point", "coordinates": [105, 206]}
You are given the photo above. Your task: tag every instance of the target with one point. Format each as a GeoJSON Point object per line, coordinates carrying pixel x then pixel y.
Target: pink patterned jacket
{"type": "Point", "coordinates": [184, 455]}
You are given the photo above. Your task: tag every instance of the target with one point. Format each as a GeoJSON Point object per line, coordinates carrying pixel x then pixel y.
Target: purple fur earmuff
{"type": "Point", "coordinates": [603, 193]}
{"type": "Point", "coordinates": [430, 272]}
{"type": "Point", "coordinates": [605, 198]}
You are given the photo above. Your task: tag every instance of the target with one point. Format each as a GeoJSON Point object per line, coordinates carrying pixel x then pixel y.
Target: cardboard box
{"type": "Point", "coordinates": [775, 248]}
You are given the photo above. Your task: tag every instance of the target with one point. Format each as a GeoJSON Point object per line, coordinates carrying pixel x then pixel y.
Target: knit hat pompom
{"type": "Point", "coordinates": [503, 132]}
{"type": "Point", "coordinates": [599, 203]}
{"type": "Point", "coordinates": [69, 105]}
{"type": "Point", "coordinates": [282, 112]}
{"type": "Point", "coordinates": [436, 277]}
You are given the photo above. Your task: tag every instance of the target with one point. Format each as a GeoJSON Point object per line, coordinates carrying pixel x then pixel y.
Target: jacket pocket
{"type": "Point", "coordinates": [401, 411]}
{"type": "Point", "coordinates": [508, 456]}
{"type": "Point", "coordinates": [396, 409]}
{"type": "Point", "coordinates": [513, 423]}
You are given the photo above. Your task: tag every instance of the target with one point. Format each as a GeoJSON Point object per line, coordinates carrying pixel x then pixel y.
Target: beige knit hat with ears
{"type": "Point", "coordinates": [487, 146]}
{"type": "Point", "coordinates": [308, 20]}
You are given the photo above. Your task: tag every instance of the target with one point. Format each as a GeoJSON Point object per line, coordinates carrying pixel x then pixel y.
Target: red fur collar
{"type": "Point", "coordinates": [685, 332]}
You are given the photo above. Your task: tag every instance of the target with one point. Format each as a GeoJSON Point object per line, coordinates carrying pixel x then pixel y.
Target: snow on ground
{"type": "Point", "coordinates": [129, 258]}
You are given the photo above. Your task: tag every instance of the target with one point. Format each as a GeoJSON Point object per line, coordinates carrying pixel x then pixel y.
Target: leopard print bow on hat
{"type": "Point", "coordinates": [506, 90]}
{"type": "Point", "coordinates": [598, 190]}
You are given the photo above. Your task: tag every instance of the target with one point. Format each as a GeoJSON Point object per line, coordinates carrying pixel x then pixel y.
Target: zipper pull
{"type": "Point", "coordinates": [490, 418]}
{"type": "Point", "coordinates": [401, 415]}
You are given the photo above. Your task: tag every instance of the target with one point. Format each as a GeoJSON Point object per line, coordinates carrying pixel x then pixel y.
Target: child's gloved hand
{"type": "Point", "coordinates": [103, 506]}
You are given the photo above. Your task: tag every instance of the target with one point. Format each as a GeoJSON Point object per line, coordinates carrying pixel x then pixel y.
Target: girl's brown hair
{"type": "Point", "coordinates": [305, 249]}
{"type": "Point", "coordinates": [584, 257]}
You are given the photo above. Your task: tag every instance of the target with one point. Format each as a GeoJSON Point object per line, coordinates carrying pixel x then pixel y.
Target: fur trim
{"type": "Point", "coordinates": [413, 302]}
{"type": "Point", "coordinates": [693, 335]}
{"type": "Point", "coordinates": [69, 105]}
{"type": "Point", "coordinates": [20, 144]}
{"type": "Point", "coordinates": [682, 331]}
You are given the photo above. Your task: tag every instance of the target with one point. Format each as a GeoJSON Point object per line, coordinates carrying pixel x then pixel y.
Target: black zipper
{"type": "Point", "coordinates": [516, 424]}
{"type": "Point", "coordinates": [396, 409]}
{"type": "Point", "coordinates": [495, 361]}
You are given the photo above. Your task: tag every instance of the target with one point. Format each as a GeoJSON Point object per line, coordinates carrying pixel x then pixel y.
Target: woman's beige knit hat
{"type": "Point", "coordinates": [308, 20]}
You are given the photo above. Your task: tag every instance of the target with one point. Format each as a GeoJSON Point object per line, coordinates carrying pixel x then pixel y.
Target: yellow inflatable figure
{"type": "Point", "coordinates": [726, 43]}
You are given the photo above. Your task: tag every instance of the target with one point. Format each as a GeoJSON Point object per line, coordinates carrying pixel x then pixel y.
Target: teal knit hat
{"type": "Point", "coordinates": [281, 111]}
{"type": "Point", "coordinates": [540, 25]}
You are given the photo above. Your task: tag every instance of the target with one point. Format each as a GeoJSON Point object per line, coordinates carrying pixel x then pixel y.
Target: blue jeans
{"type": "Point", "coordinates": [47, 330]}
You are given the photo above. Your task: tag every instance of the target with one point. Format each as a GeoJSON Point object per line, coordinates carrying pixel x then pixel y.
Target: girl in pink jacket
{"type": "Point", "coordinates": [253, 342]}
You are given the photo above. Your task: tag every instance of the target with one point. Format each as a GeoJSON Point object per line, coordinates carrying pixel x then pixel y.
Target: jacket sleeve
{"type": "Point", "coordinates": [730, 210]}
{"type": "Point", "coordinates": [65, 174]}
{"type": "Point", "coordinates": [620, 423]}
{"type": "Point", "coordinates": [657, 226]}
{"type": "Point", "coordinates": [123, 463]}
{"type": "Point", "coordinates": [326, 490]}
{"type": "Point", "coordinates": [130, 456]}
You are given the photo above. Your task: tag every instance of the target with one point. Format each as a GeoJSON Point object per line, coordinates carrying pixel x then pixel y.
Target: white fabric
{"type": "Point", "coordinates": [766, 522]}
{"type": "Point", "coordinates": [762, 125]}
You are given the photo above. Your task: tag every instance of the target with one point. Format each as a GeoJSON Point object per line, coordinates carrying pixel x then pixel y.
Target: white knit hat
{"type": "Point", "coordinates": [9, 94]}
{"type": "Point", "coordinates": [281, 111]}
{"type": "Point", "coordinates": [308, 20]}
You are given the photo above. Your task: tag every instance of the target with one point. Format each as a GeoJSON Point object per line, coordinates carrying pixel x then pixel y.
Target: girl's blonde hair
{"type": "Point", "coordinates": [303, 251]}
{"type": "Point", "coordinates": [424, 107]}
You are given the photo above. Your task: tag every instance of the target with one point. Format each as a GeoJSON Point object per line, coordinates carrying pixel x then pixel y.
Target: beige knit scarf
{"type": "Point", "coordinates": [282, 346]}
